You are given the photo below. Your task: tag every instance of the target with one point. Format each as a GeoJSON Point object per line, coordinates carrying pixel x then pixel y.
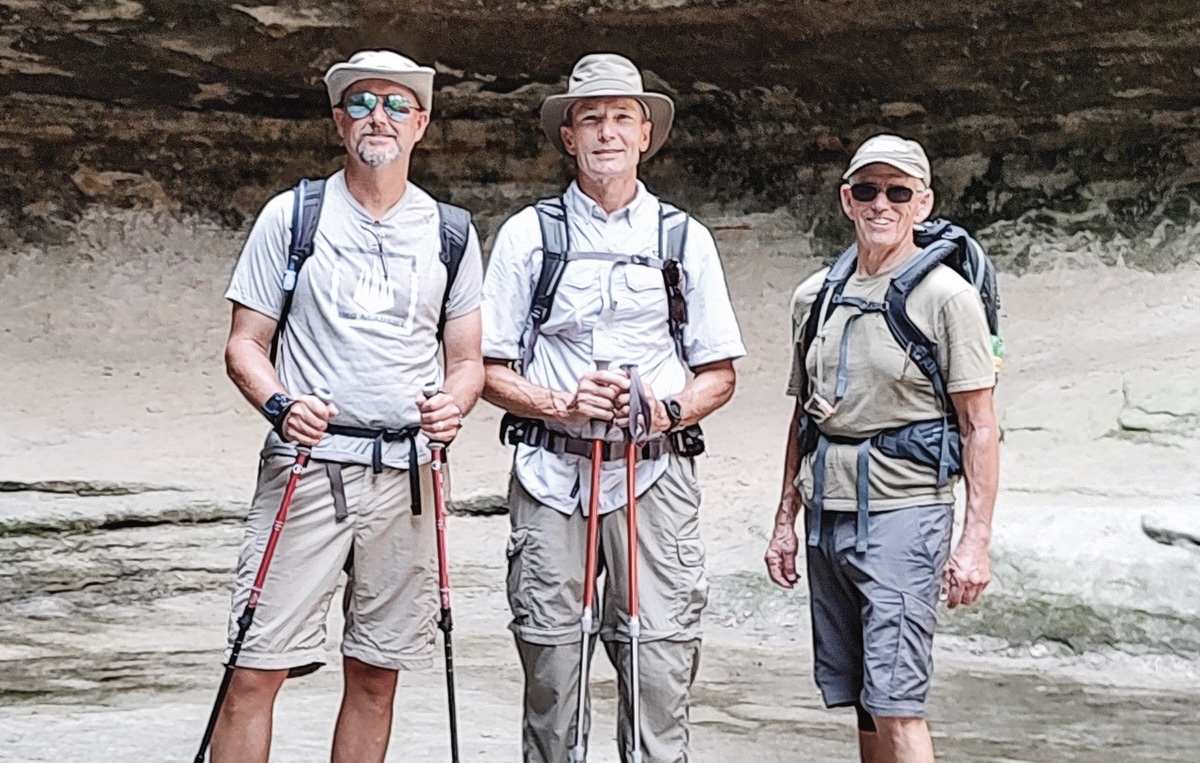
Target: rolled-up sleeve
{"type": "Point", "coordinates": [711, 333]}
{"type": "Point", "coordinates": [508, 285]}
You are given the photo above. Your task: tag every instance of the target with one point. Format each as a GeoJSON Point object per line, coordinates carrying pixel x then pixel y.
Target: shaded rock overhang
{"type": "Point", "coordinates": [211, 106]}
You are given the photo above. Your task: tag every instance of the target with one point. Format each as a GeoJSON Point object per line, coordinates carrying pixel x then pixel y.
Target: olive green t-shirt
{"type": "Point", "coordinates": [884, 388]}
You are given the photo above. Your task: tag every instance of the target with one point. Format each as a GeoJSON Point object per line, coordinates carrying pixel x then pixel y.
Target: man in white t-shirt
{"type": "Point", "coordinates": [374, 311]}
{"type": "Point", "coordinates": [620, 301]}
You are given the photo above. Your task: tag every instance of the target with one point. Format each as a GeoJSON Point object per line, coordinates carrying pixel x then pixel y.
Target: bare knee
{"type": "Point", "coordinates": [253, 690]}
{"type": "Point", "coordinates": [367, 683]}
{"type": "Point", "coordinates": [901, 732]}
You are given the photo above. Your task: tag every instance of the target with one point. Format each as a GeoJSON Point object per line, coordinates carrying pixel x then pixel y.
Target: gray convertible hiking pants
{"type": "Point", "coordinates": [546, 558]}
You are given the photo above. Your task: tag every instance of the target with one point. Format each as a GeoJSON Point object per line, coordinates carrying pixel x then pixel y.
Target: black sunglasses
{"type": "Point", "coordinates": [897, 194]}
{"type": "Point", "coordinates": [361, 104]}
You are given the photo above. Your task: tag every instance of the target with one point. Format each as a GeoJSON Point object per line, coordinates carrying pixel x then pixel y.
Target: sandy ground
{"type": "Point", "coordinates": [113, 383]}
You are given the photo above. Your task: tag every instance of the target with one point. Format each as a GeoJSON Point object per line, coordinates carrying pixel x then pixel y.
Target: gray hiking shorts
{"type": "Point", "coordinates": [874, 613]}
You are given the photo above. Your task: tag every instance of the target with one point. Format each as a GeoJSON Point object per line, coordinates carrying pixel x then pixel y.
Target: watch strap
{"type": "Point", "coordinates": [674, 413]}
{"type": "Point", "coordinates": [276, 410]}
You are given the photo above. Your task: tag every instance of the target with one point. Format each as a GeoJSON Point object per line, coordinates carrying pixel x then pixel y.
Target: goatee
{"type": "Point", "coordinates": [377, 156]}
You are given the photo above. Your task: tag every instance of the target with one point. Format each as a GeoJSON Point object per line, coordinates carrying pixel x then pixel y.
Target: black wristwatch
{"type": "Point", "coordinates": [674, 413]}
{"type": "Point", "coordinates": [276, 410]}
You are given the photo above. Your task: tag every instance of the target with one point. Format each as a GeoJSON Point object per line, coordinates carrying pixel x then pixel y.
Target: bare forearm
{"type": "Point", "coordinates": [789, 498]}
{"type": "Point", "coordinates": [464, 383]}
{"type": "Point", "coordinates": [981, 469]}
{"type": "Point", "coordinates": [710, 388]}
{"type": "Point", "coordinates": [251, 371]}
{"type": "Point", "coordinates": [981, 461]}
{"type": "Point", "coordinates": [507, 389]}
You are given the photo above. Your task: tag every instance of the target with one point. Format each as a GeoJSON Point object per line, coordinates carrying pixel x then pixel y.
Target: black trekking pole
{"type": "Point", "coordinates": [445, 622]}
{"type": "Point", "coordinates": [302, 455]}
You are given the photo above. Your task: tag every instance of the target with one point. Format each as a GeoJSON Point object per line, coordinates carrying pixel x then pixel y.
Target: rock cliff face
{"type": "Point", "coordinates": [211, 106]}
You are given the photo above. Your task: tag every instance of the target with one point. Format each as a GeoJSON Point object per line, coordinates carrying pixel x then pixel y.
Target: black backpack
{"type": "Point", "coordinates": [556, 246]}
{"type": "Point", "coordinates": [306, 214]}
{"type": "Point", "coordinates": [942, 243]}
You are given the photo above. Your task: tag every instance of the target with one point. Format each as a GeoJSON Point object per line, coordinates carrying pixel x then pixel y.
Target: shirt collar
{"type": "Point", "coordinates": [579, 203]}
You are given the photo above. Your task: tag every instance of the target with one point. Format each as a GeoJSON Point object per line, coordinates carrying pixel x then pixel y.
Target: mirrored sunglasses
{"type": "Point", "coordinates": [363, 103]}
{"type": "Point", "coordinates": [897, 194]}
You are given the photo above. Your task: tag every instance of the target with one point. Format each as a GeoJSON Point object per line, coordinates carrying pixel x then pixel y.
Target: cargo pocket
{"type": "Point", "coordinates": [912, 670]}
{"type": "Point", "coordinates": [517, 593]}
{"type": "Point", "coordinates": [692, 591]}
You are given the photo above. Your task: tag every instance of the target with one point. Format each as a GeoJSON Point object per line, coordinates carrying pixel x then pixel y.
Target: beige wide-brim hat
{"type": "Point", "coordinates": [381, 64]}
{"type": "Point", "coordinates": [600, 75]}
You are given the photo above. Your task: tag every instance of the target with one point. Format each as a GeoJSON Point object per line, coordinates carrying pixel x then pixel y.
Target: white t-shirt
{"type": "Point", "coordinates": [364, 317]}
{"type": "Point", "coordinates": [607, 311]}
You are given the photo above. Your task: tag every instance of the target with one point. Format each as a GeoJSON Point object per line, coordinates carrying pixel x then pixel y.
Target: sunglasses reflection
{"type": "Point", "coordinates": [362, 104]}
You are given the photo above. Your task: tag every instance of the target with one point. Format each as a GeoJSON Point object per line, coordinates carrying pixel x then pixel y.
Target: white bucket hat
{"type": "Point", "coordinates": [381, 64]}
{"type": "Point", "coordinates": [894, 151]}
{"type": "Point", "coordinates": [600, 75]}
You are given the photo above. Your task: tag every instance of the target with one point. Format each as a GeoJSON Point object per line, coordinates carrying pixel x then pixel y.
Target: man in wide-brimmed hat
{"type": "Point", "coordinates": [373, 308]}
{"type": "Point", "coordinates": [578, 288]}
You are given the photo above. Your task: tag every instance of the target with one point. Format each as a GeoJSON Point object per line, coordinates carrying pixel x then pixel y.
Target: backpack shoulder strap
{"type": "Point", "coordinates": [673, 224]}
{"type": "Point", "coordinates": [455, 230]}
{"type": "Point", "coordinates": [556, 241]}
{"type": "Point", "coordinates": [309, 195]}
{"type": "Point", "coordinates": [835, 281]}
{"type": "Point", "coordinates": [920, 348]}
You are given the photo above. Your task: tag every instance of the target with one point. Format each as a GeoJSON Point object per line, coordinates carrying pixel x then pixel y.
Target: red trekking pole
{"type": "Point", "coordinates": [578, 752]}
{"type": "Point", "coordinates": [445, 622]}
{"type": "Point", "coordinates": [302, 455]}
{"type": "Point", "coordinates": [639, 429]}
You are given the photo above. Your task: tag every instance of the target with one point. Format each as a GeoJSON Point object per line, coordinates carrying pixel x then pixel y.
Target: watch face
{"type": "Point", "coordinates": [275, 405]}
{"type": "Point", "coordinates": [674, 411]}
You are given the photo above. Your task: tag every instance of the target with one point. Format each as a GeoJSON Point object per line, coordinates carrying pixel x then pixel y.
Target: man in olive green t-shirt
{"type": "Point", "coordinates": [879, 523]}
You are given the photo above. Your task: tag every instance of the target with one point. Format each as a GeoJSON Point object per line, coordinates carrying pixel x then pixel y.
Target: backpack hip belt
{"type": "Point", "coordinates": [518, 430]}
{"type": "Point", "coordinates": [380, 436]}
{"type": "Point", "coordinates": [935, 444]}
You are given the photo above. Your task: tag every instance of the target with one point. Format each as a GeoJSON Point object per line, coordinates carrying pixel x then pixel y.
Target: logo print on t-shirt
{"type": "Point", "coordinates": [375, 287]}
{"type": "Point", "coordinates": [373, 293]}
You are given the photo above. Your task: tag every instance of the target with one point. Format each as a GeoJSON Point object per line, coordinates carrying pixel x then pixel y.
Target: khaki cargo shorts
{"type": "Point", "coordinates": [390, 558]}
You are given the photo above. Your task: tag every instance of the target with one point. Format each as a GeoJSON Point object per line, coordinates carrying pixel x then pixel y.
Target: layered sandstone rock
{"type": "Point", "coordinates": [1028, 105]}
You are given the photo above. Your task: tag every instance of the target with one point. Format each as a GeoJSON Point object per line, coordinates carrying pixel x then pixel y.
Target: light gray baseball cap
{"type": "Point", "coordinates": [381, 64]}
{"type": "Point", "coordinates": [601, 75]}
{"type": "Point", "coordinates": [894, 151]}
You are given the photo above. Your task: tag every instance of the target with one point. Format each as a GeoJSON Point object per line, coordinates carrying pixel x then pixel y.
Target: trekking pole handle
{"type": "Point", "coordinates": [323, 394]}
{"type": "Point", "coordinates": [429, 390]}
